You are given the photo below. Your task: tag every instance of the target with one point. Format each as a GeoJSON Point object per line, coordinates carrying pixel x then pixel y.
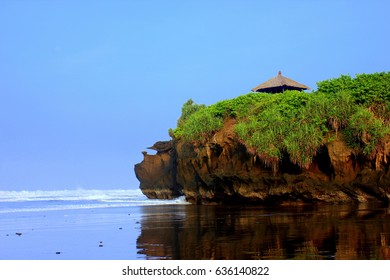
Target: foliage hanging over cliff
{"type": "Point", "coordinates": [298, 123]}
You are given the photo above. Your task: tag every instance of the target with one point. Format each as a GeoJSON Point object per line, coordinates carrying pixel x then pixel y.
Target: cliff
{"type": "Point", "coordinates": [332, 145]}
{"type": "Point", "coordinates": [222, 170]}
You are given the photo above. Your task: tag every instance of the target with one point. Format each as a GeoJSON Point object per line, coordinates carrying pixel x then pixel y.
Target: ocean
{"type": "Point", "coordinates": [38, 201]}
{"type": "Point", "coordinates": [72, 224]}
{"type": "Point", "coordinates": [124, 225]}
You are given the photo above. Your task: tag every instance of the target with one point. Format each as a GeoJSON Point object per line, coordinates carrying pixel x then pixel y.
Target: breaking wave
{"type": "Point", "coordinates": [43, 200]}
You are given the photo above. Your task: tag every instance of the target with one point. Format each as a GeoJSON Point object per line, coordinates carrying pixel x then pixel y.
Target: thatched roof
{"type": "Point", "coordinates": [279, 84]}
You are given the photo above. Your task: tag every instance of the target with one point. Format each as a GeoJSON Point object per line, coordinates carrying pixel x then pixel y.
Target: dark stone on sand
{"type": "Point", "coordinates": [120, 228]}
{"type": "Point", "coordinates": [18, 233]}
{"type": "Point", "coordinates": [58, 253]}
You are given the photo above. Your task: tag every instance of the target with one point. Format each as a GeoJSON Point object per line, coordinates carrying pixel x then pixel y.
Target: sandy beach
{"type": "Point", "coordinates": [154, 230]}
{"type": "Point", "coordinates": [108, 233]}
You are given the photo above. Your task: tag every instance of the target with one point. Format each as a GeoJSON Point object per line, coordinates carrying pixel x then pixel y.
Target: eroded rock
{"type": "Point", "coordinates": [222, 170]}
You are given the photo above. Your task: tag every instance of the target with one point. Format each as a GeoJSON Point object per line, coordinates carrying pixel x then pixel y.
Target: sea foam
{"type": "Point", "coordinates": [50, 200]}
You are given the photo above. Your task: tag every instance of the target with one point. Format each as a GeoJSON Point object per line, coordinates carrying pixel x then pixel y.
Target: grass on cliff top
{"type": "Point", "coordinates": [298, 123]}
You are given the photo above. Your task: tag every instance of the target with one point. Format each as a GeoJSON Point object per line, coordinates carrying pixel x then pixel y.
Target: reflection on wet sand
{"type": "Point", "coordinates": [215, 232]}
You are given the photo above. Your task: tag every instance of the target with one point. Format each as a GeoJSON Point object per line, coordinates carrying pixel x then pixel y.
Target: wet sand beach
{"type": "Point", "coordinates": [70, 234]}
{"type": "Point", "coordinates": [191, 232]}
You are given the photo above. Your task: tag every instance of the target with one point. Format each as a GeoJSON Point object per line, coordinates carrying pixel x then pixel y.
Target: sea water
{"type": "Point", "coordinates": [72, 224]}
{"type": "Point", "coordinates": [38, 201]}
{"type": "Point", "coordinates": [124, 224]}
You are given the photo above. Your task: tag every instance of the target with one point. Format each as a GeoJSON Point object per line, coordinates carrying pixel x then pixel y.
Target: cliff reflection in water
{"type": "Point", "coordinates": [221, 232]}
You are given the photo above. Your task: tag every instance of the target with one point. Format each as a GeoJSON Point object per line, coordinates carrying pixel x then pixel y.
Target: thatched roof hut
{"type": "Point", "coordinates": [279, 84]}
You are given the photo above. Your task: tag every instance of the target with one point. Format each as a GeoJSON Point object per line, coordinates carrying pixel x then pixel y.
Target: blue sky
{"type": "Point", "coordinates": [85, 86]}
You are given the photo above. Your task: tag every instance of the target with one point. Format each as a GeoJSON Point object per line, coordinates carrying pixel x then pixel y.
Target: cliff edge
{"type": "Point", "coordinates": [223, 171]}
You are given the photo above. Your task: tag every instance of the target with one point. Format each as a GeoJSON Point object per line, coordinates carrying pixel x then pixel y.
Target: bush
{"type": "Point", "coordinates": [329, 112]}
{"type": "Point", "coordinates": [189, 108]}
{"type": "Point", "coordinates": [366, 89]}
{"type": "Point", "coordinates": [280, 127]}
{"type": "Point", "coordinates": [364, 131]}
{"type": "Point", "coordinates": [200, 125]}
{"type": "Point", "coordinates": [236, 107]}
{"type": "Point", "coordinates": [298, 123]}
{"type": "Point", "coordinates": [302, 142]}
{"type": "Point", "coordinates": [264, 134]}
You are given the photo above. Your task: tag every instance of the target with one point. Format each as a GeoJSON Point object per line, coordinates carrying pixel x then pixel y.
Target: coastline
{"type": "Point", "coordinates": [199, 232]}
{"type": "Point", "coordinates": [80, 234]}
{"type": "Point", "coordinates": [72, 224]}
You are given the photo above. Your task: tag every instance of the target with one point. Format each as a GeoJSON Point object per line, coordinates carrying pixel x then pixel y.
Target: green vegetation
{"type": "Point", "coordinates": [299, 123]}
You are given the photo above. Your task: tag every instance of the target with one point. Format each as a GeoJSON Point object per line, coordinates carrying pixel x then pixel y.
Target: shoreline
{"type": "Point", "coordinates": [101, 233]}
{"type": "Point", "coordinates": [197, 232]}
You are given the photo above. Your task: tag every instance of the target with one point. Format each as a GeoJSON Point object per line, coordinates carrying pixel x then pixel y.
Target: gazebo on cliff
{"type": "Point", "coordinates": [279, 84]}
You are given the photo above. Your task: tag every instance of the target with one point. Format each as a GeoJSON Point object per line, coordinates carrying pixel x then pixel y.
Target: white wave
{"type": "Point", "coordinates": [34, 201]}
{"type": "Point", "coordinates": [70, 195]}
{"type": "Point", "coordinates": [150, 202]}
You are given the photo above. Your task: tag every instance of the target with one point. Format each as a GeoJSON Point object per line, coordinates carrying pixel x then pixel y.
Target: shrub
{"type": "Point", "coordinates": [329, 112]}
{"type": "Point", "coordinates": [236, 107]}
{"type": "Point", "coordinates": [366, 89]}
{"type": "Point", "coordinates": [189, 108]}
{"type": "Point", "coordinates": [280, 126]}
{"type": "Point", "coordinates": [364, 131]}
{"type": "Point", "coordinates": [302, 142]}
{"type": "Point", "coordinates": [264, 134]}
{"type": "Point", "coordinates": [297, 123]}
{"type": "Point", "coordinates": [333, 86]}
{"type": "Point", "coordinates": [201, 124]}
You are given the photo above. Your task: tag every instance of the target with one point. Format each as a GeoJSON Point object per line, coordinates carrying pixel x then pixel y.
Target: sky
{"type": "Point", "coordinates": [86, 86]}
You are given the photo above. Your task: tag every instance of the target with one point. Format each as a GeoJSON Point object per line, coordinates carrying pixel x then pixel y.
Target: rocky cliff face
{"type": "Point", "coordinates": [222, 170]}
